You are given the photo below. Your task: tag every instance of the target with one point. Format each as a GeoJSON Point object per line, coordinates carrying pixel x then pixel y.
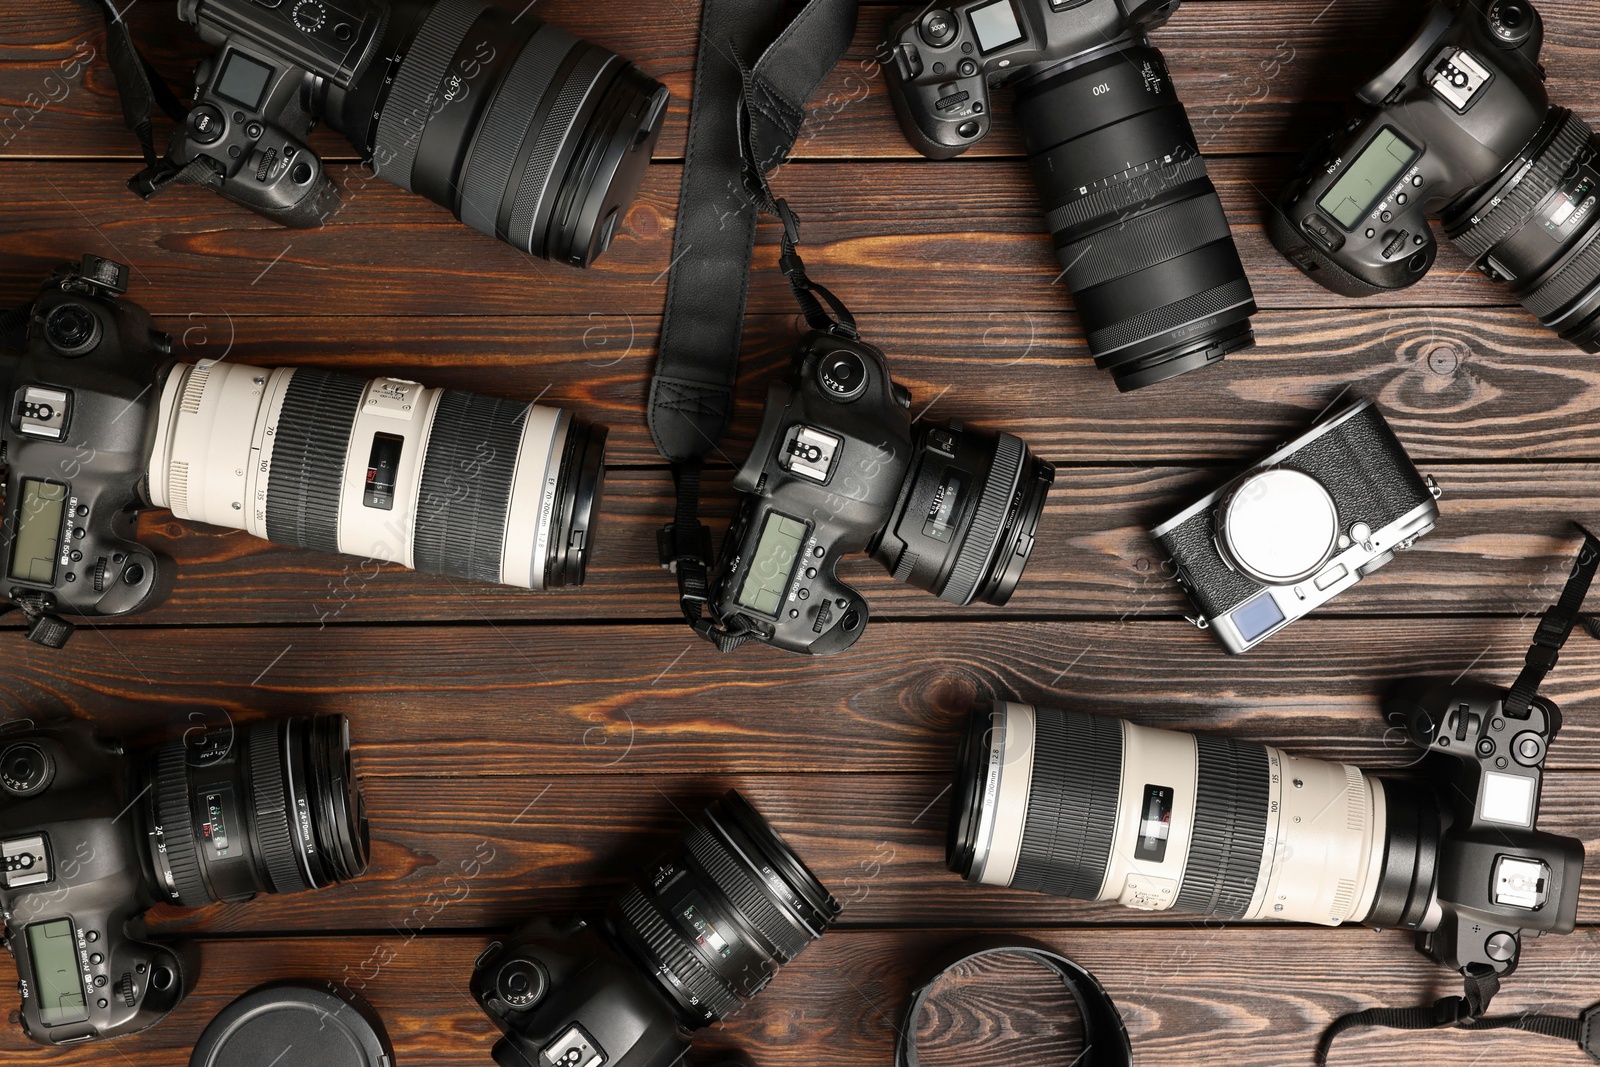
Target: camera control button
{"type": "Point", "coordinates": [1527, 749]}
{"type": "Point", "coordinates": [1330, 576]}
{"type": "Point", "coordinates": [803, 593]}
{"type": "Point", "coordinates": [1387, 216]}
{"type": "Point", "coordinates": [939, 28]}
{"type": "Point", "coordinates": [207, 124]}
{"type": "Point", "coordinates": [967, 68]}
{"type": "Point", "coordinates": [1323, 232]}
{"type": "Point", "coordinates": [1500, 947]}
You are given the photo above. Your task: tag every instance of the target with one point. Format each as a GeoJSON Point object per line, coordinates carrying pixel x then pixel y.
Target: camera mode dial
{"type": "Point", "coordinates": [842, 375]}
{"type": "Point", "coordinates": [522, 983]}
{"type": "Point", "coordinates": [72, 330]}
{"type": "Point", "coordinates": [1511, 22]}
{"type": "Point", "coordinates": [939, 28]}
{"type": "Point", "coordinates": [25, 770]}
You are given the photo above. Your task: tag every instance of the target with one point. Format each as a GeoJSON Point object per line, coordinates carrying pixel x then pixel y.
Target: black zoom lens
{"type": "Point", "coordinates": [1142, 239]}
{"type": "Point", "coordinates": [968, 512]}
{"type": "Point", "coordinates": [274, 808]}
{"type": "Point", "coordinates": [716, 918]}
{"type": "Point", "coordinates": [1534, 228]}
{"type": "Point", "coordinates": [522, 130]}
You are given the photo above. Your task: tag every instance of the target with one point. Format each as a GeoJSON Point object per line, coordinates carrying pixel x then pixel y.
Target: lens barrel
{"type": "Point", "coordinates": [968, 513]}
{"type": "Point", "coordinates": [522, 130]}
{"type": "Point", "coordinates": [714, 920]}
{"type": "Point", "coordinates": [271, 808]}
{"type": "Point", "coordinates": [1141, 235]}
{"type": "Point", "coordinates": [444, 481]}
{"type": "Point", "coordinates": [1535, 228]}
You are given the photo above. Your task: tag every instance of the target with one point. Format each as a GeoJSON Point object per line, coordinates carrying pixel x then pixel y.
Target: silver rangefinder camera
{"type": "Point", "coordinates": [1299, 528]}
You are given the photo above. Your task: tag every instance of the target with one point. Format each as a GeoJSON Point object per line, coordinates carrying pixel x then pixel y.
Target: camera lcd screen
{"type": "Point", "coordinates": [1368, 177]}
{"type": "Point", "coordinates": [1155, 824]}
{"type": "Point", "coordinates": [769, 573]}
{"type": "Point", "coordinates": [1257, 617]}
{"type": "Point", "coordinates": [38, 538]}
{"type": "Point", "coordinates": [243, 80]}
{"type": "Point", "coordinates": [996, 25]}
{"type": "Point", "coordinates": [58, 984]}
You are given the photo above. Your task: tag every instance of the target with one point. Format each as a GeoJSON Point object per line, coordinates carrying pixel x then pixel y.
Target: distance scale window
{"type": "Point", "coordinates": [773, 565]}
{"type": "Point", "coordinates": [1368, 177]}
{"type": "Point", "coordinates": [57, 981]}
{"type": "Point", "coordinates": [37, 543]}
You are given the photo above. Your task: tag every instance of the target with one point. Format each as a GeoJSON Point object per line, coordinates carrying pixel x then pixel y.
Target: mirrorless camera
{"type": "Point", "coordinates": [1094, 807]}
{"type": "Point", "coordinates": [686, 944]}
{"type": "Point", "coordinates": [1458, 125]}
{"type": "Point", "coordinates": [1141, 235]}
{"type": "Point", "coordinates": [91, 836]}
{"type": "Point", "coordinates": [1299, 528]}
{"type": "Point", "coordinates": [523, 131]}
{"type": "Point", "coordinates": [837, 468]}
{"type": "Point", "coordinates": [101, 421]}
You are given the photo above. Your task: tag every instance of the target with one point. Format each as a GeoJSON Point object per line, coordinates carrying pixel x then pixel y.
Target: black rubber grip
{"type": "Point", "coordinates": [176, 819]}
{"type": "Point", "coordinates": [270, 810]}
{"type": "Point", "coordinates": [410, 104]}
{"type": "Point", "coordinates": [1169, 317]}
{"type": "Point", "coordinates": [674, 954]}
{"type": "Point", "coordinates": [553, 133]}
{"type": "Point", "coordinates": [1230, 828]}
{"type": "Point", "coordinates": [1517, 206]}
{"type": "Point", "coordinates": [1143, 241]}
{"type": "Point", "coordinates": [983, 533]}
{"type": "Point", "coordinates": [466, 486]}
{"type": "Point", "coordinates": [1072, 804]}
{"type": "Point", "coordinates": [308, 458]}
{"type": "Point", "coordinates": [753, 901]}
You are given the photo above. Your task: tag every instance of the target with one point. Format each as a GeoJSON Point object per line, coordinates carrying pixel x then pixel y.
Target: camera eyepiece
{"type": "Point", "coordinates": [72, 329]}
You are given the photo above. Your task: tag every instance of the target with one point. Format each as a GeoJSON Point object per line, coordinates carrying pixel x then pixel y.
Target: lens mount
{"type": "Point", "coordinates": [578, 493]}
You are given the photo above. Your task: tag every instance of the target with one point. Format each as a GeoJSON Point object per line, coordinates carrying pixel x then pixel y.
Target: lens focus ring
{"type": "Point", "coordinates": [1072, 807]}
{"type": "Point", "coordinates": [308, 458]}
{"type": "Point", "coordinates": [977, 550]}
{"type": "Point", "coordinates": [1230, 827]}
{"type": "Point", "coordinates": [674, 954]}
{"type": "Point", "coordinates": [750, 899]}
{"type": "Point", "coordinates": [536, 176]}
{"type": "Point", "coordinates": [176, 819]}
{"type": "Point", "coordinates": [410, 104]}
{"type": "Point", "coordinates": [1478, 239]}
{"type": "Point", "coordinates": [272, 812]}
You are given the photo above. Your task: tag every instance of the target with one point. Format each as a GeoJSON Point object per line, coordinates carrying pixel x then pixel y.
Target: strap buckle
{"type": "Point", "coordinates": [1589, 1031]}
{"type": "Point", "coordinates": [679, 545]}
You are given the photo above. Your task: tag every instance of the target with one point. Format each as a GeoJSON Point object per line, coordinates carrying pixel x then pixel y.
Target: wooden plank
{"type": "Point", "coordinates": [560, 842]}
{"type": "Point", "coordinates": [1186, 997]}
{"type": "Point", "coordinates": [1256, 76]}
{"type": "Point", "coordinates": [507, 700]}
{"type": "Point", "coordinates": [904, 240]}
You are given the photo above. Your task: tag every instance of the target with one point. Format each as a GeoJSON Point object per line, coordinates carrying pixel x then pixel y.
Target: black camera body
{"type": "Point", "coordinates": [1496, 871]}
{"type": "Point", "coordinates": [1299, 528]}
{"type": "Point", "coordinates": [838, 468]}
{"type": "Point", "coordinates": [75, 880]}
{"type": "Point", "coordinates": [81, 402]}
{"type": "Point", "coordinates": [942, 59]}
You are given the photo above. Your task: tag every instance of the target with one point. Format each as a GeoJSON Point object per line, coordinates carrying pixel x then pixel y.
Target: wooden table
{"type": "Point", "coordinates": [562, 734]}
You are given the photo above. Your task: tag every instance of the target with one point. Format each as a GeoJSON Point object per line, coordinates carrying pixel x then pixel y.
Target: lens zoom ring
{"type": "Point", "coordinates": [753, 900]}
{"type": "Point", "coordinates": [1072, 806]}
{"type": "Point", "coordinates": [1151, 238]}
{"type": "Point", "coordinates": [1511, 213]}
{"type": "Point", "coordinates": [1568, 283]}
{"type": "Point", "coordinates": [1112, 200]}
{"type": "Point", "coordinates": [176, 819]}
{"type": "Point", "coordinates": [409, 106]}
{"type": "Point", "coordinates": [557, 123]}
{"type": "Point", "coordinates": [676, 956]}
{"type": "Point", "coordinates": [466, 486]}
{"type": "Point", "coordinates": [983, 534]}
{"type": "Point", "coordinates": [271, 810]}
{"type": "Point", "coordinates": [1161, 320]}
{"type": "Point", "coordinates": [308, 457]}
{"type": "Point", "coordinates": [487, 173]}
{"type": "Point", "coordinates": [1230, 828]}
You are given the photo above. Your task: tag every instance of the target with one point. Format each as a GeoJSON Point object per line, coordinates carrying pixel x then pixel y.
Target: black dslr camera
{"type": "Point", "coordinates": [838, 468]}
{"type": "Point", "coordinates": [523, 131]}
{"type": "Point", "coordinates": [1458, 125]}
{"type": "Point", "coordinates": [1142, 238]}
{"type": "Point", "coordinates": [1302, 526]}
{"type": "Point", "coordinates": [685, 945]}
{"type": "Point", "coordinates": [91, 836]}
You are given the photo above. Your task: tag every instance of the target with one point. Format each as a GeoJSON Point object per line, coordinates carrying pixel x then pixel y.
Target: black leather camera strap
{"type": "Point", "coordinates": [1105, 1039]}
{"type": "Point", "coordinates": [743, 123]}
{"type": "Point", "coordinates": [1555, 627]}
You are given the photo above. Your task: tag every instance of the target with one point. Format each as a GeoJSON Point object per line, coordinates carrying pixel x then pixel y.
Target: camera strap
{"type": "Point", "coordinates": [743, 123]}
{"type": "Point", "coordinates": [1555, 626]}
{"type": "Point", "coordinates": [1105, 1039]}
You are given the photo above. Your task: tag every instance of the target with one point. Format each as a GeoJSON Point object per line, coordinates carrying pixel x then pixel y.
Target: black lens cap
{"type": "Point", "coordinates": [322, 1023]}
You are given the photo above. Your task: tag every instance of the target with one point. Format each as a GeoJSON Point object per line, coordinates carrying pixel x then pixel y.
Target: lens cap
{"type": "Point", "coordinates": [323, 1024]}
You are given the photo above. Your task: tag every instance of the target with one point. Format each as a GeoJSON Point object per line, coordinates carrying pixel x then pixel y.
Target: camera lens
{"type": "Point", "coordinates": [1097, 808]}
{"type": "Point", "coordinates": [1535, 228]}
{"type": "Point", "coordinates": [272, 808]}
{"type": "Point", "coordinates": [714, 920]}
{"type": "Point", "coordinates": [1142, 239]}
{"type": "Point", "coordinates": [522, 130]}
{"type": "Point", "coordinates": [439, 480]}
{"type": "Point", "coordinates": [964, 526]}
{"type": "Point", "coordinates": [72, 329]}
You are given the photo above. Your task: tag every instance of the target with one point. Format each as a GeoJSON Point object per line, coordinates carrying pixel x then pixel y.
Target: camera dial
{"type": "Point", "coordinates": [1278, 526]}
{"type": "Point", "coordinates": [843, 375]}
{"type": "Point", "coordinates": [1511, 22]}
{"type": "Point", "coordinates": [72, 330]}
{"type": "Point", "coordinates": [522, 983]}
{"type": "Point", "coordinates": [25, 770]}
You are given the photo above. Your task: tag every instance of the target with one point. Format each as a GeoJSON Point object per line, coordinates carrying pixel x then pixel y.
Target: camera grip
{"type": "Point", "coordinates": [940, 94]}
{"type": "Point", "coordinates": [314, 202]}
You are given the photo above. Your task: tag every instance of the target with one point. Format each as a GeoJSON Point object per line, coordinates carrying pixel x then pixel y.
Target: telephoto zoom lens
{"type": "Point", "coordinates": [964, 526]}
{"type": "Point", "coordinates": [1096, 808]}
{"type": "Point", "coordinates": [1535, 228]}
{"type": "Point", "coordinates": [269, 808]}
{"type": "Point", "coordinates": [1144, 245]}
{"type": "Point", "coordinates": [439, 480]}
{"type": "Point", "coordinates": [716, 918]}
{"type": "Point", "coordinates": [522, 130]}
